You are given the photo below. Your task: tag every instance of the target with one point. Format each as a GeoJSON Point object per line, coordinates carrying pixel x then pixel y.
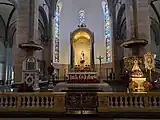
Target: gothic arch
{"type": "Point", "coordinates": [85, 30]}
{"type": "Point", "coordinates": [2, 28]}
{"type": "Point", "coordinates": [122, 30]}
{"type": "Point", "coordinates": [14, 3]}
{"type": "Point", "coordinates": [155, 26]}
{"type": "Point", "coordinates": [155, 9]}
{"type": "Point", "coordinates": [11, 33]}
{"type": "Point", "coordinates": [43, 23]}
{"type": "Point", "coordinates": [91, 34]}
{"type": "Point", "coordinates": [121, 24]}
{"type": "Point", "coordinates": [2, 34]}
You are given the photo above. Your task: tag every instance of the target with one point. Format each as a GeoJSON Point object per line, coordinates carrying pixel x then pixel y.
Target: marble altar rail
{"type": "Point", "coordinates": [32, 102]}
{"type": "Point", "coordinates": [128, 102]}
{"type": "Point", "coordinates": [60, 102]}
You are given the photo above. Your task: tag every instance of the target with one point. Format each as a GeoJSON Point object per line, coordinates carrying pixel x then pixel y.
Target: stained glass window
{"type": "Point", "coordinates": [82, 19]}
{"type": "Point", "coordinates": [57, 31]}
{"type": "Point", "coordinates": [107, 28]}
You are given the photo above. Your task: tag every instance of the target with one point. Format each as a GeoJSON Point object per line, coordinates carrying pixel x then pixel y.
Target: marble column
{"type": "Point", "coordinates": [27, 27]}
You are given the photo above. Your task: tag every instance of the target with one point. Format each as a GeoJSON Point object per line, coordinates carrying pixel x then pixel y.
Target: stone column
{"type": "Point", "coordinates": [33, 21]}
{"type": "Point", "coordinates": [129, 19]}
{"type": "Point", "coordinates": [143, 23]}
{"type": "Point", "coordinates": [129, 24]}
{"type": "Point", "coordinates": [50, 45]}
{"type": "Point", "coordinates": [27, 27]}
{"type": "Point", "coordinates": [138, 19]}
{"type": "Point", "coordinates": [51, 34]}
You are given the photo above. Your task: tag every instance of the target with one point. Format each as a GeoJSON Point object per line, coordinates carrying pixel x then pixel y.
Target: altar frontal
{"type": "Point", "coordinates": [82, 77]}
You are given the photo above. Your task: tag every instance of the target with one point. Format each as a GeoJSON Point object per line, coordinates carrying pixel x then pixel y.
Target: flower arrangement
{"type": "Point", "coordinates": [147, 86]}
{"type": "Point", "coordinates": [133, 85]}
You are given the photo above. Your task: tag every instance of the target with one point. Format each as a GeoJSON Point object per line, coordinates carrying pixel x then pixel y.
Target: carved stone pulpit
{"type": "Point", "coordinates": [30, 72]}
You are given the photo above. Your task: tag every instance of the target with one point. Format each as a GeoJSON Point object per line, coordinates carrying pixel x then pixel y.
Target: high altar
{"type": "Point", "coordinates": [82, 71]}
{"type": "Point", "coordinates": [82, 57]}
{"type": "Point", "coordinates": [82, 49]}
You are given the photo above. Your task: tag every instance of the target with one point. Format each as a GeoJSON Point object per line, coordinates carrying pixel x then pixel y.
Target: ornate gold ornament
{"type": "Point", "coordinates": [133, 86]}
{"type": "Point", "coordinates": [149, 61]}
{"type": "Point", "coordinates": [136, 71]}
{"type": "Point", "coordinates": [147, 86]}
{"type": "Point", "coordinates": [137, 77]}
{"type": "Point", "coordinates": [129, 62]}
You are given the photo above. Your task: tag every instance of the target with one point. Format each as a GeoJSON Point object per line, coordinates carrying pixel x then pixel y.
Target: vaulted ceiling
{"type": "Point", "coordinates": [7, 9]}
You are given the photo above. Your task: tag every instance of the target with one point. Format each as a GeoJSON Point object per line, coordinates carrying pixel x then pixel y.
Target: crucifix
{"type": "Point", "coordinates": [100, 58]}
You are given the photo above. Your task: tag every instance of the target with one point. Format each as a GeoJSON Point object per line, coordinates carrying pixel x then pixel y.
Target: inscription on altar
{"type": "Point", "coordinates": [82, 76]}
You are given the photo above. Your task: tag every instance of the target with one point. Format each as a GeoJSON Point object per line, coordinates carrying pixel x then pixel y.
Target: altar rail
{"type": "Point", "coordinates": [57, 102]}
{"type": "Point", "coordinates": [128, 102]}
{"type": "Point", "coordinates": [32, 102]}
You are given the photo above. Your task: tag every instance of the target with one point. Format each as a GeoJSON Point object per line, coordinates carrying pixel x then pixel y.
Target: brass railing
{"type": "Point", "coordinates": [100, 102]}
{"type": "Point", "coordinates": [36, 102]}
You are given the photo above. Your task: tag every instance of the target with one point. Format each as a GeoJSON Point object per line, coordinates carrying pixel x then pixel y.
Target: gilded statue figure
{"type": "Point", "coordinates": [136, 71]}
{"type": "Point", "coordinates": [82, 55]}
{"type": "Point", "coordinates": [82, 58]}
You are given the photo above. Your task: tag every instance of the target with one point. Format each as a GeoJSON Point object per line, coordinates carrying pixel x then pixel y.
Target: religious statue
{"type": "Point", "coordinates": [149, 61]}
{"type": "Point", "coordinates": [138, 81]}
{"type": "Point", "coordinates": [82, 55]}
{"type": "Point", "coordinates": [136, 71]}
{"type": "Point", "coordinates": [65, 74]}
{"type": "Point", "coordinates": [82, 58]}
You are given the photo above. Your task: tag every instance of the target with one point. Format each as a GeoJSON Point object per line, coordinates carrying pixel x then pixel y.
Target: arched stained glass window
{"type": "Point", "coordinates": [107, 29]}
{"type": "Point", "coordinates": [57, 31]}
{"type": "Point", "coordinates": [82, 19]}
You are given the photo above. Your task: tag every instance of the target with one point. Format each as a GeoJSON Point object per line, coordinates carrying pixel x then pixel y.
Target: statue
{"type": "Point", "coordinates": [149, 63]}
{"type": "Point", "coordinates": [136, 71]}
{"type": "Point", "coordinates": [82, 58]}
{"type": "Point", "coordinates": [82, 55]}
{"type": "Point", "coordinates": [138, 81]}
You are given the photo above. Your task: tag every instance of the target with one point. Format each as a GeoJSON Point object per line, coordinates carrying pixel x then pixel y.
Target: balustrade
{"type": "Point", "coordinates": [128, 102]}
{"type": "Point", "coordinates": [54, 102]}
{"type": "Point", "coordinates": [60, 102]}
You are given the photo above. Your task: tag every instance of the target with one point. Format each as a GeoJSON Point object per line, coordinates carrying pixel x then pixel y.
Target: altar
{"type": "Point", "coordinates": [82, 77]}
{"type": "Point", "coordinates": [96, 87]}
{"type": "Point", "coordinates": [82, 74]}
